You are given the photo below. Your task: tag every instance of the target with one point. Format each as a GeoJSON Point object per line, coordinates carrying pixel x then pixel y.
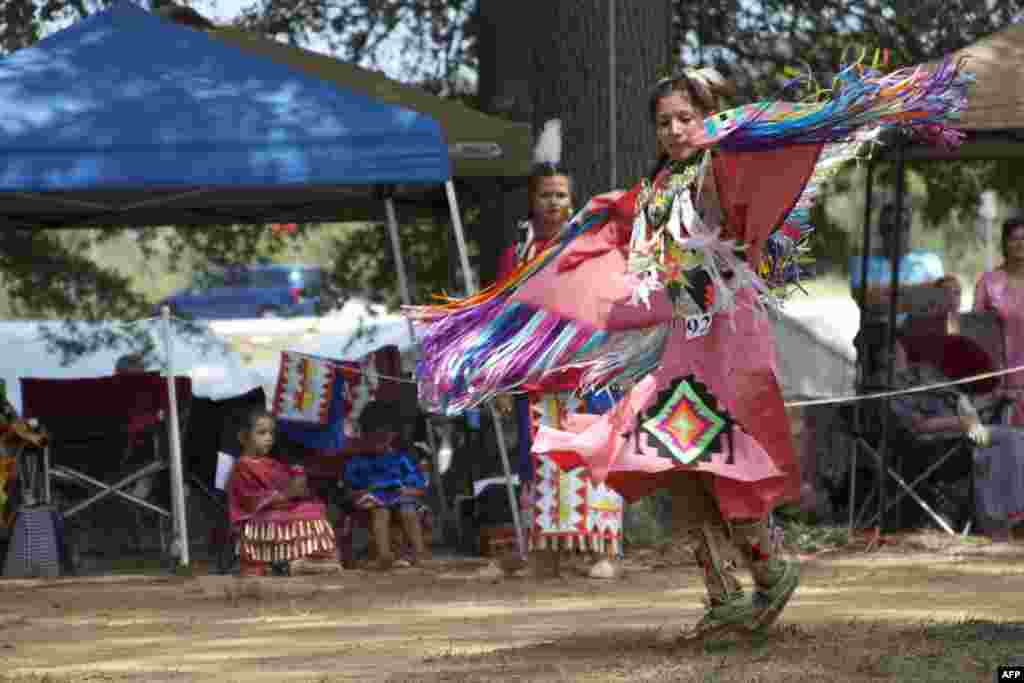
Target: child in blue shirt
{"type": "Point", "coordinates": [387, 483]}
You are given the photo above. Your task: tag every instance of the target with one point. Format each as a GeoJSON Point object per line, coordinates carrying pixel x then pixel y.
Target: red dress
{"type": "Point", "coordinates": [273, 530]}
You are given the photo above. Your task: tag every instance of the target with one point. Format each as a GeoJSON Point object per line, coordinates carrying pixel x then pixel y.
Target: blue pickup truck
{"type": "Point", "coordinates": [258, 291]}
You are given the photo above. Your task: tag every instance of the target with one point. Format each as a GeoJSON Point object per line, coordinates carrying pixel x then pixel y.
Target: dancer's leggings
{"type": "Point", "coordinates": [697, 521]}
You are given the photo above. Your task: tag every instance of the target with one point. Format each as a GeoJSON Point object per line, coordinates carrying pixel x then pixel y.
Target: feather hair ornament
{"type": "Point", "coordinates": [548, 149]}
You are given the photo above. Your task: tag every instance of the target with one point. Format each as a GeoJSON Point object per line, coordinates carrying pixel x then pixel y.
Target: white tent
{"type": "Point", "coordinates": [216, 370]}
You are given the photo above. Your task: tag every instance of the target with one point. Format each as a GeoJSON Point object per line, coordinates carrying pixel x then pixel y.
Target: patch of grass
{"type": "Point", "coordinates": [967, 650]}
{"type": "Point", "coordinates": [811, 538]}
{"type": "Point", "coordinates": [719, 647]}
{"type": "Point", "coordinates": [645, 523]}
{"type": "Point", "coordinates": [800, 533]}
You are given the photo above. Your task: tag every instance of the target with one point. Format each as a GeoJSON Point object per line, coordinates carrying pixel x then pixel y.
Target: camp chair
{"type": "Point", "coordinates": [960, 345]}
{"type": "Point", "coordinates": [88, 421]}
{"type": "Point", "coordinates": [212, 435]}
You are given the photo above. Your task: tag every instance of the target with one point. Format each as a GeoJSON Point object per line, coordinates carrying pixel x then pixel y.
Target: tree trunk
{"type": "Point", "coordinates": [552, 61]}
{"type": "Point", "coordinates": [504, 90]}
{"type": "Point", "coordinates": [573, 78]}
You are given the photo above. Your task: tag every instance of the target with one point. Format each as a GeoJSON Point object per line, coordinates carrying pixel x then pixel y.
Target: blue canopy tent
{"type": "Point", "coordinates": [125, 118]}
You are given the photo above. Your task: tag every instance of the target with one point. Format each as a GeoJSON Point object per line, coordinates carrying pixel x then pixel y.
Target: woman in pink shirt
{"type": "Point", "coordinates": [1002, 291]}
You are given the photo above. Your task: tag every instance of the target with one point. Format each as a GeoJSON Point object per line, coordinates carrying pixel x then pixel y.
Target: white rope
{"type": "Point", "coordinates": [852, 398]}
{"type": "Point", "coordinates": [831, 400]}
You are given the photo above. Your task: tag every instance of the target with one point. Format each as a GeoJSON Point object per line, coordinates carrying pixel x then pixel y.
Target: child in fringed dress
{"type": "Point", "coordinates": [271, 508]}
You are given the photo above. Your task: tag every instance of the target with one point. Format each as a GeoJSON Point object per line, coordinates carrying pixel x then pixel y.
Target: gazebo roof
{"type": "Point", "coordinates": [997, 97]}
{"type": "Point", "coordinates": [994, 118]}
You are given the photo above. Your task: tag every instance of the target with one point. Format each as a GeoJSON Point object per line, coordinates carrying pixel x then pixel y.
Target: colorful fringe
{"type": "Point", "coordinates": [285, 541]}
{"type": "Point", "coordinates": [499, 343]}
{"type": "Point", "coordinates": [487, 344]}
{"type": "Point", "coordinates": [861, 102]}
{"type": "Point", "coordinates": [596, 543]}
{"type": "Point", "coordinates": [863, 105]}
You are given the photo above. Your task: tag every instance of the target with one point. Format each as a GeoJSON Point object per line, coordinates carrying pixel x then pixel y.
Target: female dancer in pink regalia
{"type": "Point", "coordinates": [660, 290]}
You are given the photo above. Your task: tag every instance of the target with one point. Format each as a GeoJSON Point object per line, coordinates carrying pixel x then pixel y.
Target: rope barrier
{"type": "Point", "coordinates": [829, 400]}
{"type": "Point", "coordinates": [851, 398]}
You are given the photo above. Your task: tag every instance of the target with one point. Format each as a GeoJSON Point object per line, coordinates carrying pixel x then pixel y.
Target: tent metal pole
{"type": "Point", "coordinates": [403, 277]}
{"type": "Point", "coordinates": [862, 295]}
{"type": "Point", "coordinates": [406, 294]}
{"type": "Point", "coordinates": [177, 471]}
{"type": "Point", "coordinates": [896, 255]}
{"type": "Point", "coordinates": [460, 238]}
{"type": "Point", "coordinates": [499, 432]}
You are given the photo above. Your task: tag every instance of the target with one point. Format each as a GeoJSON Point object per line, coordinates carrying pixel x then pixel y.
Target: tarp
{"type": "Point", "coordinates": [124, 109]}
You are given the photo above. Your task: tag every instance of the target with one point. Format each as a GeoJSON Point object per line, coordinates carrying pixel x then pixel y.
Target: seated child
{"type": "Point", "coordinates": [388, 484]}
{"type": "Point", "coordinates": [270, 506]}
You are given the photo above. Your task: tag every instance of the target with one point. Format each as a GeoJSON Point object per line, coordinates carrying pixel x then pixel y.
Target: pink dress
{"type": "Point", "coordinates": [995, 292]}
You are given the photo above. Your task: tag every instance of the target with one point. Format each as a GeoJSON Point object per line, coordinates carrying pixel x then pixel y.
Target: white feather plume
{"type": "Point", "coordinates": [548, 149]}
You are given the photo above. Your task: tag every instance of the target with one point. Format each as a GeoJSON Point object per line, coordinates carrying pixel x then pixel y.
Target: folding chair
{"type": "Point", "coordinates": [213, 432]}
{"type": "Point", "coordinates": [83, 416]}
{"type": "Point", "coordinates": [960, 345]}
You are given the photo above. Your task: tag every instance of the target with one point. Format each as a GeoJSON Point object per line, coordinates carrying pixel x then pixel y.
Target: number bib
{"type": "Point", "coordinates": [697, 325]}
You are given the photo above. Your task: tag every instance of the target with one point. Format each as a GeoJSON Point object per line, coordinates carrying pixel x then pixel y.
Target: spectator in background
{"type": "Point", "coordinates": [130, 364]}
{"type": "Point", "coordinates": [998, 460]}
{"type": "Point", "coordinates": [1002, 291]}
{"type": "Point", "coordinates": [954, 293]}
{"type": "Point", "coordinates": [916, 267]}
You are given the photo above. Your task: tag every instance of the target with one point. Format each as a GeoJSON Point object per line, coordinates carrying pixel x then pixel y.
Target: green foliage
{"type": "Point", "coordinates": [118, 274]}
{"type": "Point", "coordinates": [800, 533]}
{"type": "Point", "coordinates": [365, 266]}
{"type": "Point", "coordinates": [646, 523]}
{"type": "Point", "coordinates": [761, 45]}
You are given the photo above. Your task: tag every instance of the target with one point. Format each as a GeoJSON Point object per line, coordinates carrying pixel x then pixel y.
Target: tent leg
{"type": "Point", "coordinates": [177, 475]}
{"type": "Point", "coordinates": [406, 294]}
{"type": "Point", "coordinates": [861, 293]}
{"type": "Point", "coordinates": [396, 252]}
{"type": "Point", "coordinates": [499, 433]}
{"type": "Point", "coordinates": [460, 238]}
{"type": "Point", "coordinates": [436, 464]}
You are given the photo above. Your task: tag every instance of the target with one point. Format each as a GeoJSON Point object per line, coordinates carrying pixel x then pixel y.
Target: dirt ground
{"type": "Point", "coordinates": [858, 616]}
